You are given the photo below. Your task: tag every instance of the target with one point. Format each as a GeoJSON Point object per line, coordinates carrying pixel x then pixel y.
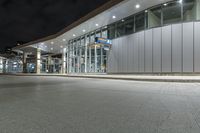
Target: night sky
{"type": "Point", "coordinates": [27, 20]}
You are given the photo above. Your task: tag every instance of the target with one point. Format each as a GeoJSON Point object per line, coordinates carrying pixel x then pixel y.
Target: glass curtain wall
{"type": "Point", "coordinates": [190, 10]}
{"type": "Point", "coordinates": [172, 12]}
{"type": "Point", "coordinates": [154, 17]}
{"type": "Point", "coordinates": [98, 56]}
{"type": "Point", "coordinates": [83, 57]}
{"type": "Point", "coordinates": [164, 14]}
{"type": "Point", "coordinates": [88, 57]}
{"type": "Point", "coordinates": [92, 54]}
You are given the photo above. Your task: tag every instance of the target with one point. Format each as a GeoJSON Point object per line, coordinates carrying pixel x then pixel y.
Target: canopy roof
{"type": "Point", "coordinates": [102, 16]}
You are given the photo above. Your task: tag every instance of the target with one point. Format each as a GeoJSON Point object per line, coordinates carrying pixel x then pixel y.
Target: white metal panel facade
{"type": "Point", "coordinates": [188, 47]}
{"type": "Point", "coordinates": [169, 49]}
{"type": "Point", "coordinates": [141, 52]}
{"type": "Point", "coordinates": [197, 47]}
{"type": "Point", "coordinates": [136, 53]}
{"type": "Point", "coordinates": [148, 51]}
{"type": "Point", "coordinates": [177, 48]}
{"type": "Point", "coordinates": [157, 47]}
{"type": "Point", "coordinates": [166, 48]}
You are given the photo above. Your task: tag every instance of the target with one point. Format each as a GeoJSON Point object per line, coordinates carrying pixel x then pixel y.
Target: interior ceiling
{"type": "Point", "coordinates": [121, 10]}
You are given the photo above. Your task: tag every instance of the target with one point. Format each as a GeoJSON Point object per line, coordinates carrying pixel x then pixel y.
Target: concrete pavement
{"type": "Point", "coordinates": [55, 104]}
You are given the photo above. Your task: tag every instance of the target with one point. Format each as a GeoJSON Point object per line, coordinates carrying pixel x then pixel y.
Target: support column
{"type": "Point", "coordinates": [68, 59]}
{"type": "Point", "coordinates": [85, 54]}
{"type": "Point", "coordinates": [90, 59]}
{"type": "Point", "coordinates": [6, 66]}
{"type": "Point", "coordinates": [64, 61]}
{"type": "Point", "coordinates": [80, 58]}
{"type": "Point", "coordinates": [24, 62]}
{"type": "Point", "coordinates": [70, 55]}
{"type": "Point", "coordinates": [49, 64]}
{"type": "Point", "coordinates": [74, 59]}
{"type": "Point", "coordinates": [102, 59]}
{"type": "Point", "coordinates": [95, 56]}
{"type": "Point", "coordinates": [38, 61]}
{"type": "Point", "coordinates": [1, 65]}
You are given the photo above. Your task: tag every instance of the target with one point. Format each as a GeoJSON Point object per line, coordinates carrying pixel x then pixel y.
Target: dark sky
{"type": "Point", "coordinates": [27, 20]}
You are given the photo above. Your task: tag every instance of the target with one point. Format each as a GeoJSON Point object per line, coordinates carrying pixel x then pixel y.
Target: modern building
{"type": "Point", "coordinates": [11, 63]}
{"type": "Point", "coordinates": [123, 36]}
{"type": "Point", "coordinates": [3, 66]}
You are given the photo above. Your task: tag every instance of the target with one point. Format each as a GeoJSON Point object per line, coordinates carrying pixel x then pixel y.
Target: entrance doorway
{"type": "Point", "coordinates": [98, 59]}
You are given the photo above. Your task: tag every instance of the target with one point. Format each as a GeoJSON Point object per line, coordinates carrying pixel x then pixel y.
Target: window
{"type": "Point", "coordinates": [78, 45]}
{"type": "Point", "coordinates": [154, 17]}
{"type": "Point", "coordinates": [105, 33]}
{"type": "Point", "coordinates": [98, 33]}
{"type": "Point", "coordinates": [87, 39]}
{"type": "Point", "coordinates": [120, 29]}
{"type": "Point", "coordinates": [74, 48]}
{"type": "Point", "coordinates": [171, 12]}
{"type": "Point", "coordinates": [129, 25]}
{"type": "Point", "coordinates": [140, 21]}
{"type": "Point", "coordinates": [111, 31]}
{"type": "Point", "coordinates": [168, 13]}
{"type": "Point", "coordinates": [189, 10]}
{"type": "Point", "coordinates": [92, 39]}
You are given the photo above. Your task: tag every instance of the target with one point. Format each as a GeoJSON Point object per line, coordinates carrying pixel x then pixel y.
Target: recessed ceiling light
{"type": "Point", "coordinates": [165, 4]}
{"type": "Point", "coordinates": [52, 42]}
{"type": "Point", "coordinates": [123, 20]}
{"type": "Point", "coordinates": [114, 17]}
{"type": "Point", "coordinates": [84, 30]}
{"type": "Point", "coordinates": [61, 46]}
{"type": "Point", "coordinates": [180, 1]}
{"type": "Point", "coordinates": [137, 6]}
{"type": "Point", "coordinates": [146, 10]}
{"type": "Point", "coordinates": [97, 24]}
{"type": "Point", "coordinates": [74, 35]}
{"type": "Point", "coordinates": [51, 48]}
{"type": "Point", "coordinates": [64, 40]}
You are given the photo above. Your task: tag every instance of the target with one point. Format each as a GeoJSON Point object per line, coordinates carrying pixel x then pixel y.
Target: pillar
{"type": "Point", "coordinates": [64, 61]}
{"type": "Point", "coordinates": [38, 60]}
{"type": "Point", "coordinates": [70, 55]}
{"type": "Point", "coordinates": [6, 66]}
{"type": "Point", "coordinates": [24, 62]}
{"type": "Point", "coordinates": [95, 56]}
{"type": "Point", "coordinates": [68, 59]}
{"type": "Point", "coordinates": [102, 59]}
{"type": "Point", "coordinates": [74, 58]}
{"type": "Point", "coordinates": [90, 59]}
{"type": "Point", "coordinates": [49, 63]}
{"type": "Point", "coordinates": [80, 59]}
{"type": "Point", "coordinates": [1, 65]}
{"type": "Point", "coordinates": [86, 48]}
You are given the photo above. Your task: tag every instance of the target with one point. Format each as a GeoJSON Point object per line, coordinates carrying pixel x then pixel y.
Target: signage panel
{"type": "Point", "coordinates": [103, 41]}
